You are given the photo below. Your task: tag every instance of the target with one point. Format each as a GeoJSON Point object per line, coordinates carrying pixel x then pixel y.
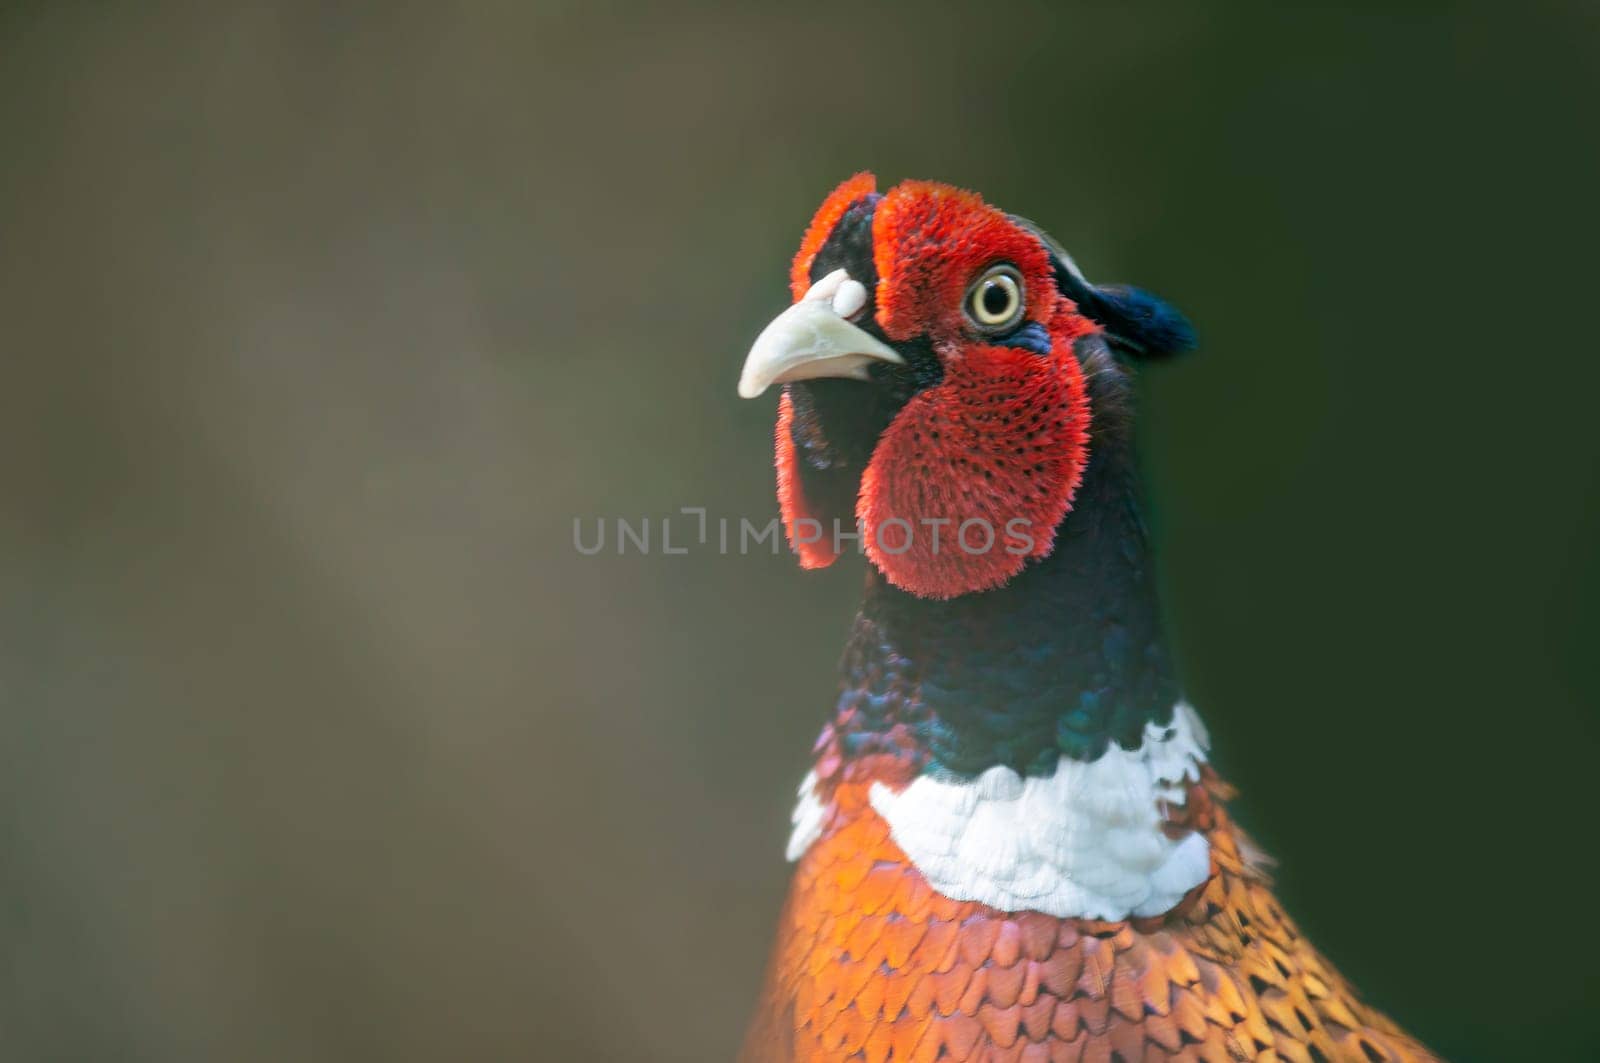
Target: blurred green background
{"type": "Point", "coordinates": [318, 329]}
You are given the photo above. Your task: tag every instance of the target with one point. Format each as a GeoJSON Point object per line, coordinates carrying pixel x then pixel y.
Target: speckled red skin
{"type": "Point", "coordinates": [813, 546]}
{"type": "Point", "coordinates": [872, 965]}
{"type": "Point", "coordinates": [1000, 441]}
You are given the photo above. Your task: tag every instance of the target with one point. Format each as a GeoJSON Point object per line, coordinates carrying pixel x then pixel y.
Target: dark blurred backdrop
{"type": "Point", "coordinates": [319, 740]}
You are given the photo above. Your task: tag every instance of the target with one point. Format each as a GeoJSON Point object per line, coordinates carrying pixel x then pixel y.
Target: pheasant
{"type": "Point", "coordinates": [1011, 845]}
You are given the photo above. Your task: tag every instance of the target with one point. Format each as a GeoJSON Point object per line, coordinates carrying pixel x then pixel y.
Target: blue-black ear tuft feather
{"type": "Point", "coordinates": [1143, 325]}
{"type": "Point", "coordinates": [1138, 325]}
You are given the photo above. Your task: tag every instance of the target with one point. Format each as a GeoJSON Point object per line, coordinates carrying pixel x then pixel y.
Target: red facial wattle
{"type": "Point", "coordinates": [970, 480]}
{"type": "Point", "coordinates": [998, 446]}
{"type": "Point", "coordinates": [809, 531]}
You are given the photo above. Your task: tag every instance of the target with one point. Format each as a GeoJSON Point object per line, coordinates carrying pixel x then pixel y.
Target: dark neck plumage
{"type": "Point", "coordinates": [1063, 660]}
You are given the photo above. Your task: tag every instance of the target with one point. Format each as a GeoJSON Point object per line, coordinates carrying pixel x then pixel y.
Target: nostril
{"type": "Point", "coordinates": [850, 298]}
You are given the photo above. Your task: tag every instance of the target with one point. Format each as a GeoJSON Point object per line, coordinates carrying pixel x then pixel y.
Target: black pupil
{"type": "Point", "coordinates": [996, 299]}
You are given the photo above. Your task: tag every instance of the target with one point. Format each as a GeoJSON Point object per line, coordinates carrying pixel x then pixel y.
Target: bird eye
{"type": "Point", "coordinates": [994, 302]}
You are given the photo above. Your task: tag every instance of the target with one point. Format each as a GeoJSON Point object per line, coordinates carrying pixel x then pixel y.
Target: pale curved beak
{"type": "Point", "coordinates": [813, 339]}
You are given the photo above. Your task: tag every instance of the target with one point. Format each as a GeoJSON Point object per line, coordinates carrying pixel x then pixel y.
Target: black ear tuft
{"type": "Point", "coordinates": [1138, 325]}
